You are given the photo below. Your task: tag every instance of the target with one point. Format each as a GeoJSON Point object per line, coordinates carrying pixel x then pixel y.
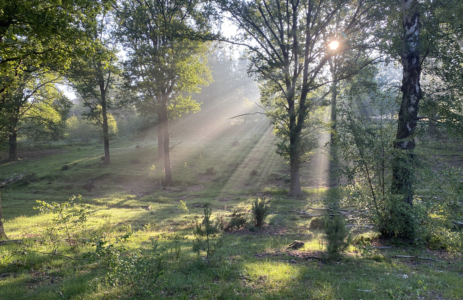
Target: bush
{"type": "Point", "coordinates": [69, 223]}
{"type": "Point", "coordinates": [317, 224]}
{"type": "Point", "coordinates": [364, 144]}
{"type": "Point", "coordinates": [236, 222]}
{"type": "Point", "coordinates": [259, 211]}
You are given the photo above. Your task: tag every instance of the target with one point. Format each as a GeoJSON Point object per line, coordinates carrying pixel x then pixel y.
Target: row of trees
{"type": "Point", "coordinates": [166, 61]}
{"type": "Point", "coordinates": [287, 42]}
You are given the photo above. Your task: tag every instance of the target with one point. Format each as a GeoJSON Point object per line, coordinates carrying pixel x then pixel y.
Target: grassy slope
{"type": "Point", "coordinates": [249, 266]}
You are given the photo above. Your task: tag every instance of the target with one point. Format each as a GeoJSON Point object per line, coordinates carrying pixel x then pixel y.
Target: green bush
{"type": "Point", "coordinates": [259, 211]}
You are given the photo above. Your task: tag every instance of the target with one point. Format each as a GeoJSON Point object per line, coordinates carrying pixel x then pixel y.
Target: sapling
{"type": "Point", "coordinates": [204, 232]}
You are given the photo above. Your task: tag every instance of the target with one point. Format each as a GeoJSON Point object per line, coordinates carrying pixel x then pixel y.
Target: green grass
{"type": "Point", "coordinates": [250, 265]}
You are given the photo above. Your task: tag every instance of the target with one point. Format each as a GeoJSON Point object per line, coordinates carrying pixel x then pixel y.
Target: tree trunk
{"type": "Point", "coordinates": [432, 128]}
{"type": "Point", "coordinates": [105, 129]}
{"type": "Point", "coordinates": [295, 189]}
{"type": "Point", "coordinates": [2, 230]}
{"type": "Point", "coordinates": [13, 144]}
{"type": "Point", "coordinates": [333, 180]}
{"type": "Point", "coordinates": [104, 109]}
{"type": "Point", "coordinates": [165, 128]}
{"type": "Point", "coordinates": [402, 176]}
{"type": "Point", "coordinates": [160, 137]}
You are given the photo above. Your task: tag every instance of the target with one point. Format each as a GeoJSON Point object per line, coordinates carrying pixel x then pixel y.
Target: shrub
{"type": "Point", "coordinates": [317, 224]}
{"type": "Point", "coordinates": [236, 222]}
{"type": "Point", "coordinates": [69, 223]}
{"type": "Point", "coordinates": [259, 211]}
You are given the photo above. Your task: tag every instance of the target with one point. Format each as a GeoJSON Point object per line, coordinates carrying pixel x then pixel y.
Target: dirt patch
{"type": "Point", "coordinates": [205, 177]}
{"type": "Point", "coordinates": [305, 255]}
{"type": "Point", "coordinates": [140, 186]}
{"type": "Point", "coordinates": [196, 188]}
{"type": "Point", "coordinates": [225, 199]}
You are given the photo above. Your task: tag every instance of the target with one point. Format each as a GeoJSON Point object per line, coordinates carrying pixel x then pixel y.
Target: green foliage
{"type": "Point", "coordinates": [236, 222]}
{"type": "Point", "coordinates": [79, 129]}
{"type": "Point", "coordinates": [183, 52]}
{"type": "Point", "coordinates": [69, 222]}
{"type": "Point", "coordinates": [182, 206]}
{"type": "Point", "coordinates": [365, 140]}
{"type": "Point", "coordinates": [259, 211]}
{"type": "Point", "coordinates": [43, 33]}
{"type": "Point", "coordinates": [337, 234]}
{"type": "Point", "coordinates": [204, 233]}
{"type": "Point", "coordinates": [35, 108]}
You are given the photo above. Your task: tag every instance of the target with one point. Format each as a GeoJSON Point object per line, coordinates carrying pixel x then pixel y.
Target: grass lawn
{"type": "Point", "coordinates": [225, 170]}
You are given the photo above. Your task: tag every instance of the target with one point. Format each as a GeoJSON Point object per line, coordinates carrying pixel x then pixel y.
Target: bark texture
{"type": "Point", "coordinates": [402, 177]}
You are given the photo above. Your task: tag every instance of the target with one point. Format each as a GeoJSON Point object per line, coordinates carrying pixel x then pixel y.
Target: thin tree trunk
{"type": "Point", "coordinates": [402, 177]}
{"type": "Point", "coordinates": [333, 151]}
{"type": "Point", "coordinates": [2, 229]}
{"type": "Point", "coordinates": [13, 145]}
{"type": "Point", "coordinates": [432, 128]}
{"type": "Point", "coordinates": [105, 129]}
{"type": "Point", "coordinates": [165, 127]}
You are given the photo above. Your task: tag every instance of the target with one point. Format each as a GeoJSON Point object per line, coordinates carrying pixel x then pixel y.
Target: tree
{"type": "Point", "coordinates": [431, 47]}
{"type": "Point", "coordinates": [34, 101]}
{"type": "Point", "coordinates": [166, 59]}
{"type": "Point", "coordinates": [94, 76]}
{"type": "Point", "coordinates": [288, 54]}
{"type": "Point", "coordinates": [42, 32]}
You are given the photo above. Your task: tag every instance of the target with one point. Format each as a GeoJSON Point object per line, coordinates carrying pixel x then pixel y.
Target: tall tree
{"type": "Point", "coordinates": [40, 32]}
{"type": "Point", "coordinates": [94, 76]}
{"type": "Point", "coordinates": [288, 54]}
{"type": "Point", "coordinates": [166, 58]}
{"type": "Point", "coordinates": [431, 46]}
{"type": "Point", "coordinates": [411, 96]}
{"type": "Point", "coordinates": [35, 100]}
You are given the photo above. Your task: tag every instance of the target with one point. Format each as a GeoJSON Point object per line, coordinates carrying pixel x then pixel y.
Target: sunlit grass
{"type": "Point", "coordinates": [123, 190]}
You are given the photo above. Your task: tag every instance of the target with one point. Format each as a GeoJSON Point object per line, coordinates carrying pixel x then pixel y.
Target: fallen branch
{"type": "Point", "coordinates": [250, 114]}
{"type": "Point", "coordinates": [313, 257]}
{"type": "Point", "coordinates": [417, 257]}
{"type": "Point", "coordinates": [300, 212]}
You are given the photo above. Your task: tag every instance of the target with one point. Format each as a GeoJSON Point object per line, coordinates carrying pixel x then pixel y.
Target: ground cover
{"type": "Point", "coordinates": [225, 170]}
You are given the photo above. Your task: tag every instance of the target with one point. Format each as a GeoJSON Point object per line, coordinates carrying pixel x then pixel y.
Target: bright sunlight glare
{"type": "Point", "coordinates": [334, 45]}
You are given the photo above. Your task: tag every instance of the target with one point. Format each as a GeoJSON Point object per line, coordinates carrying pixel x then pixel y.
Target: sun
{"type": "Point", "coordinates": [334, 45]}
